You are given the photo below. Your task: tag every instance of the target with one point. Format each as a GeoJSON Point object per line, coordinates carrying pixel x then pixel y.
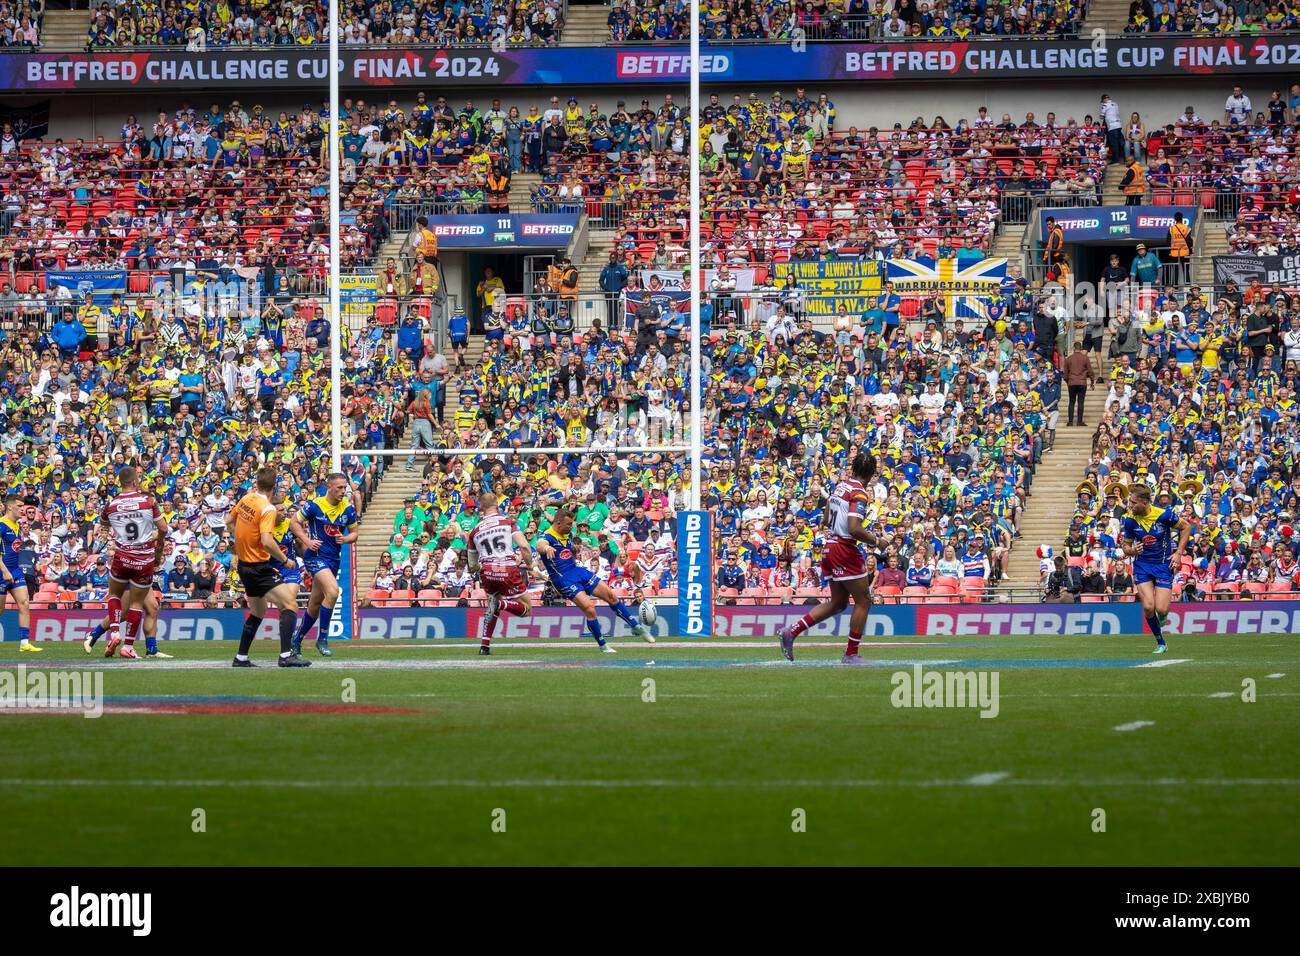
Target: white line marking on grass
{"type": "Point", "coordinates": [1224, 693]}
{"type": "Point", "coordinates": [987, 779]}
{"type": "Point", "coordinates": [543, 783]}
{"type": "Point", "coordinates": [1166, 662]}
{"type": "Point", "coordinates": [1275, 676]}
{"type": "Point", "coordinates": [1135, 725]}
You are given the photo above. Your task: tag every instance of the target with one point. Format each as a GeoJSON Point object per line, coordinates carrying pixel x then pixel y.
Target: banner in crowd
{"type": "Point", "coordinates": [829, 284]}
{"type": "Point", "coordinates": [505, 230]}
{"type": "Point", "coordinates": [308, 67]}
{"type": "Point", "coordinates": [358, 294]}
{"type": "Point", "coordinates": [1118, 223]}
{"type": "Point", "coordinates": [965, 284]}
{"type": "Point", "coordinates": [29, 122]}
{"type": "Point", "coordinates": [760, 622]}
{"type": "Point", "coordinates": [103, 284]}
{"type": "Point", "coordinates": [1268, 269]}
{"type": "Point", "coordinates": [669, 302]}
{"type": "Point", "coordinates": [672, 278]}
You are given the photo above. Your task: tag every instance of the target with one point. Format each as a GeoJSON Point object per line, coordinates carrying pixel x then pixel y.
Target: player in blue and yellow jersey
{"type": "Point", "coordinates": [288, 569]}
{"type": "Point", "coordinates": [322, 527]}
{"type": "Point", "coordinates": [1147, 536]}
{"type": "Point", "coordinates": [579, 585]}
{"type": "Point", "coordinates": [13, 580]}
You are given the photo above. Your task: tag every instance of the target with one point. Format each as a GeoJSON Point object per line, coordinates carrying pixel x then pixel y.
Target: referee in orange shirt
{"type": "Point", "coordinates": [253, 522]}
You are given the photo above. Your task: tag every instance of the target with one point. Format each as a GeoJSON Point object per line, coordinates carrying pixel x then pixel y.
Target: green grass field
{"type": "Point", "coordinates": [712, 771]}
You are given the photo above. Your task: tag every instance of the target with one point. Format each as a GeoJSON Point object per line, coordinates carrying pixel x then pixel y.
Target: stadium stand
{"type": "Point", "coordinates": [365, 22]}
{"type": "Point", "coordinates": [208, 354]}
{"type": "Point", "coordinates": [202, 209]}
{"type": "Point", "coordinates": [730, 21]}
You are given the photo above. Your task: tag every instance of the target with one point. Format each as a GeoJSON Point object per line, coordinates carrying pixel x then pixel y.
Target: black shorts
{"type": "Point", "coordinates": [1091, 343]}
{"type": "Point", "coordinates": [259, 579]}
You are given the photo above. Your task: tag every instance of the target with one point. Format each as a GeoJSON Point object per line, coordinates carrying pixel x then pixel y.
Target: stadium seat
{"type": "Point", "coordinates": [379, 594]}
{"type": "Point", "coordinates": [887, 593]}
{"type": "Point", "coordinates": [947, 581]}
{"type": "Point", "coordinates": [403, 594]}
{"type": "Point", "coordinates": [913, 594]}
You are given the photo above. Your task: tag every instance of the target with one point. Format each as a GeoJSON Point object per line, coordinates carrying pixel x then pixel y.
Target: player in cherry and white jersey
{"type": "Point", "coordinates": [851, 507]}
{"type": "Point", "coordinates": [501, 556]}
{"type": "Point", "coordinates": [139, 532]}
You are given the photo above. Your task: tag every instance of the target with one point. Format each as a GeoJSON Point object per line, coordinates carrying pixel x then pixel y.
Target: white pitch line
{"type": "Point", "coordinates": [1166, 662]}
{"type": "Point", "coordinates": [980, 780]}
{"type": "Point", "coordinates": [987, 779]}
{"type": "Point", "coordinates": [1275, 676]}
{"type": "Point", "coordinates": [1135, 725]}
{"type": "Point", "coordinates": [1224, 693]}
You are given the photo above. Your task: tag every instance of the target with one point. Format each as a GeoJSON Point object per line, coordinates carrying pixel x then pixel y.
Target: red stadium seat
{"type": "Point", "coordinates": [428, 594]}
{"type": "Point", "coordinates": [947, 581]}
{"type": "Point", "coordinates": [887, 593]}
{"type": "Point", "coordinates": [757, 593]}
{"type": "Point", "coordinates": [403, 594]}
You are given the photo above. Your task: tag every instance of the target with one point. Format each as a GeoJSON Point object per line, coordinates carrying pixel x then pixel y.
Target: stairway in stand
{"type": "Point", "coordinates": [586, 25]}
{"type": "Point", "coordinates": [1047, 513]}
{"type": "Point", "coordinates": [65, 31]}
{"type": "Point", "coordinates": [398, 484]}
{"type": "Point", "coordinates": [1108, 15]}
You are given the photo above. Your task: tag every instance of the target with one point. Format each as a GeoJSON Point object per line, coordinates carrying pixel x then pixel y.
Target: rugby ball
{"type": "Point", "coordinates": [648, 614]}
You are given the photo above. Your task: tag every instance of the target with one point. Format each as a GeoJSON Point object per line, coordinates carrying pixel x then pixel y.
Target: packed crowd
{"type": "Point", "coordinates": [20, 23]}
{"type": "Point", "coordinates": [1201, 406]}
{"type": "Point", "coordinates": [1210, 17]}
{"type": "Point", "coordinates": [788, 184]}
{"type": "Point", "coordinates": [723, 21]}
{"type": "Point", "coordinates": [227, 23]}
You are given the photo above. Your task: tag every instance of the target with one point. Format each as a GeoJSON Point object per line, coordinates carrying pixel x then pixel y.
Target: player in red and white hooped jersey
{"type": "Point", "coordinates": [500, 554]}
{"type": "Point", "coordinates": [850, 508]}
{"type": "Point", "coordinates": [139, 532]}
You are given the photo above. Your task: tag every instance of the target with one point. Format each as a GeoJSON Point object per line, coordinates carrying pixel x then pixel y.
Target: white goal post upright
{"type": "Point", "coordinates": [336, 252]}
{"type": "Point", "coordinates": [697, 277]}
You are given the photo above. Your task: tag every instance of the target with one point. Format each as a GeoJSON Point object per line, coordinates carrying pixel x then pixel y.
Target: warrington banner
{"type": "Point", "coordinates": [358, 294]}
{"type": "Point", "coordinates": [103, 284]}
{"type": "Point", "coordinates": [966, 285]}
{"type": "Point", "coordinates": [674, 305]}
{"type": "Point", "coordinates": [672, 278]}
{"type": "Point", "coordinates": [308, 67]}
{"type": "Point", "coordinates": [1268, 269]}
{"type": "Point", "coordinates": [835, 282]}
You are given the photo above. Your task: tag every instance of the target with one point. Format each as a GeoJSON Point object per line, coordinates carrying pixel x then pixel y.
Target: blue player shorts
{"type": "Point", "coordinates": [290, 575]}
{"type": "Point", "coordinates": [1159, 574]}
{"type": "Point", "coordinates": [576, 582]}
{"type": "Point", "coordinates": [19, 581]}
{"type": "Point", "coordinates": [459, 339]}
{"type": "Point", "coordinates": [316, 564]}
